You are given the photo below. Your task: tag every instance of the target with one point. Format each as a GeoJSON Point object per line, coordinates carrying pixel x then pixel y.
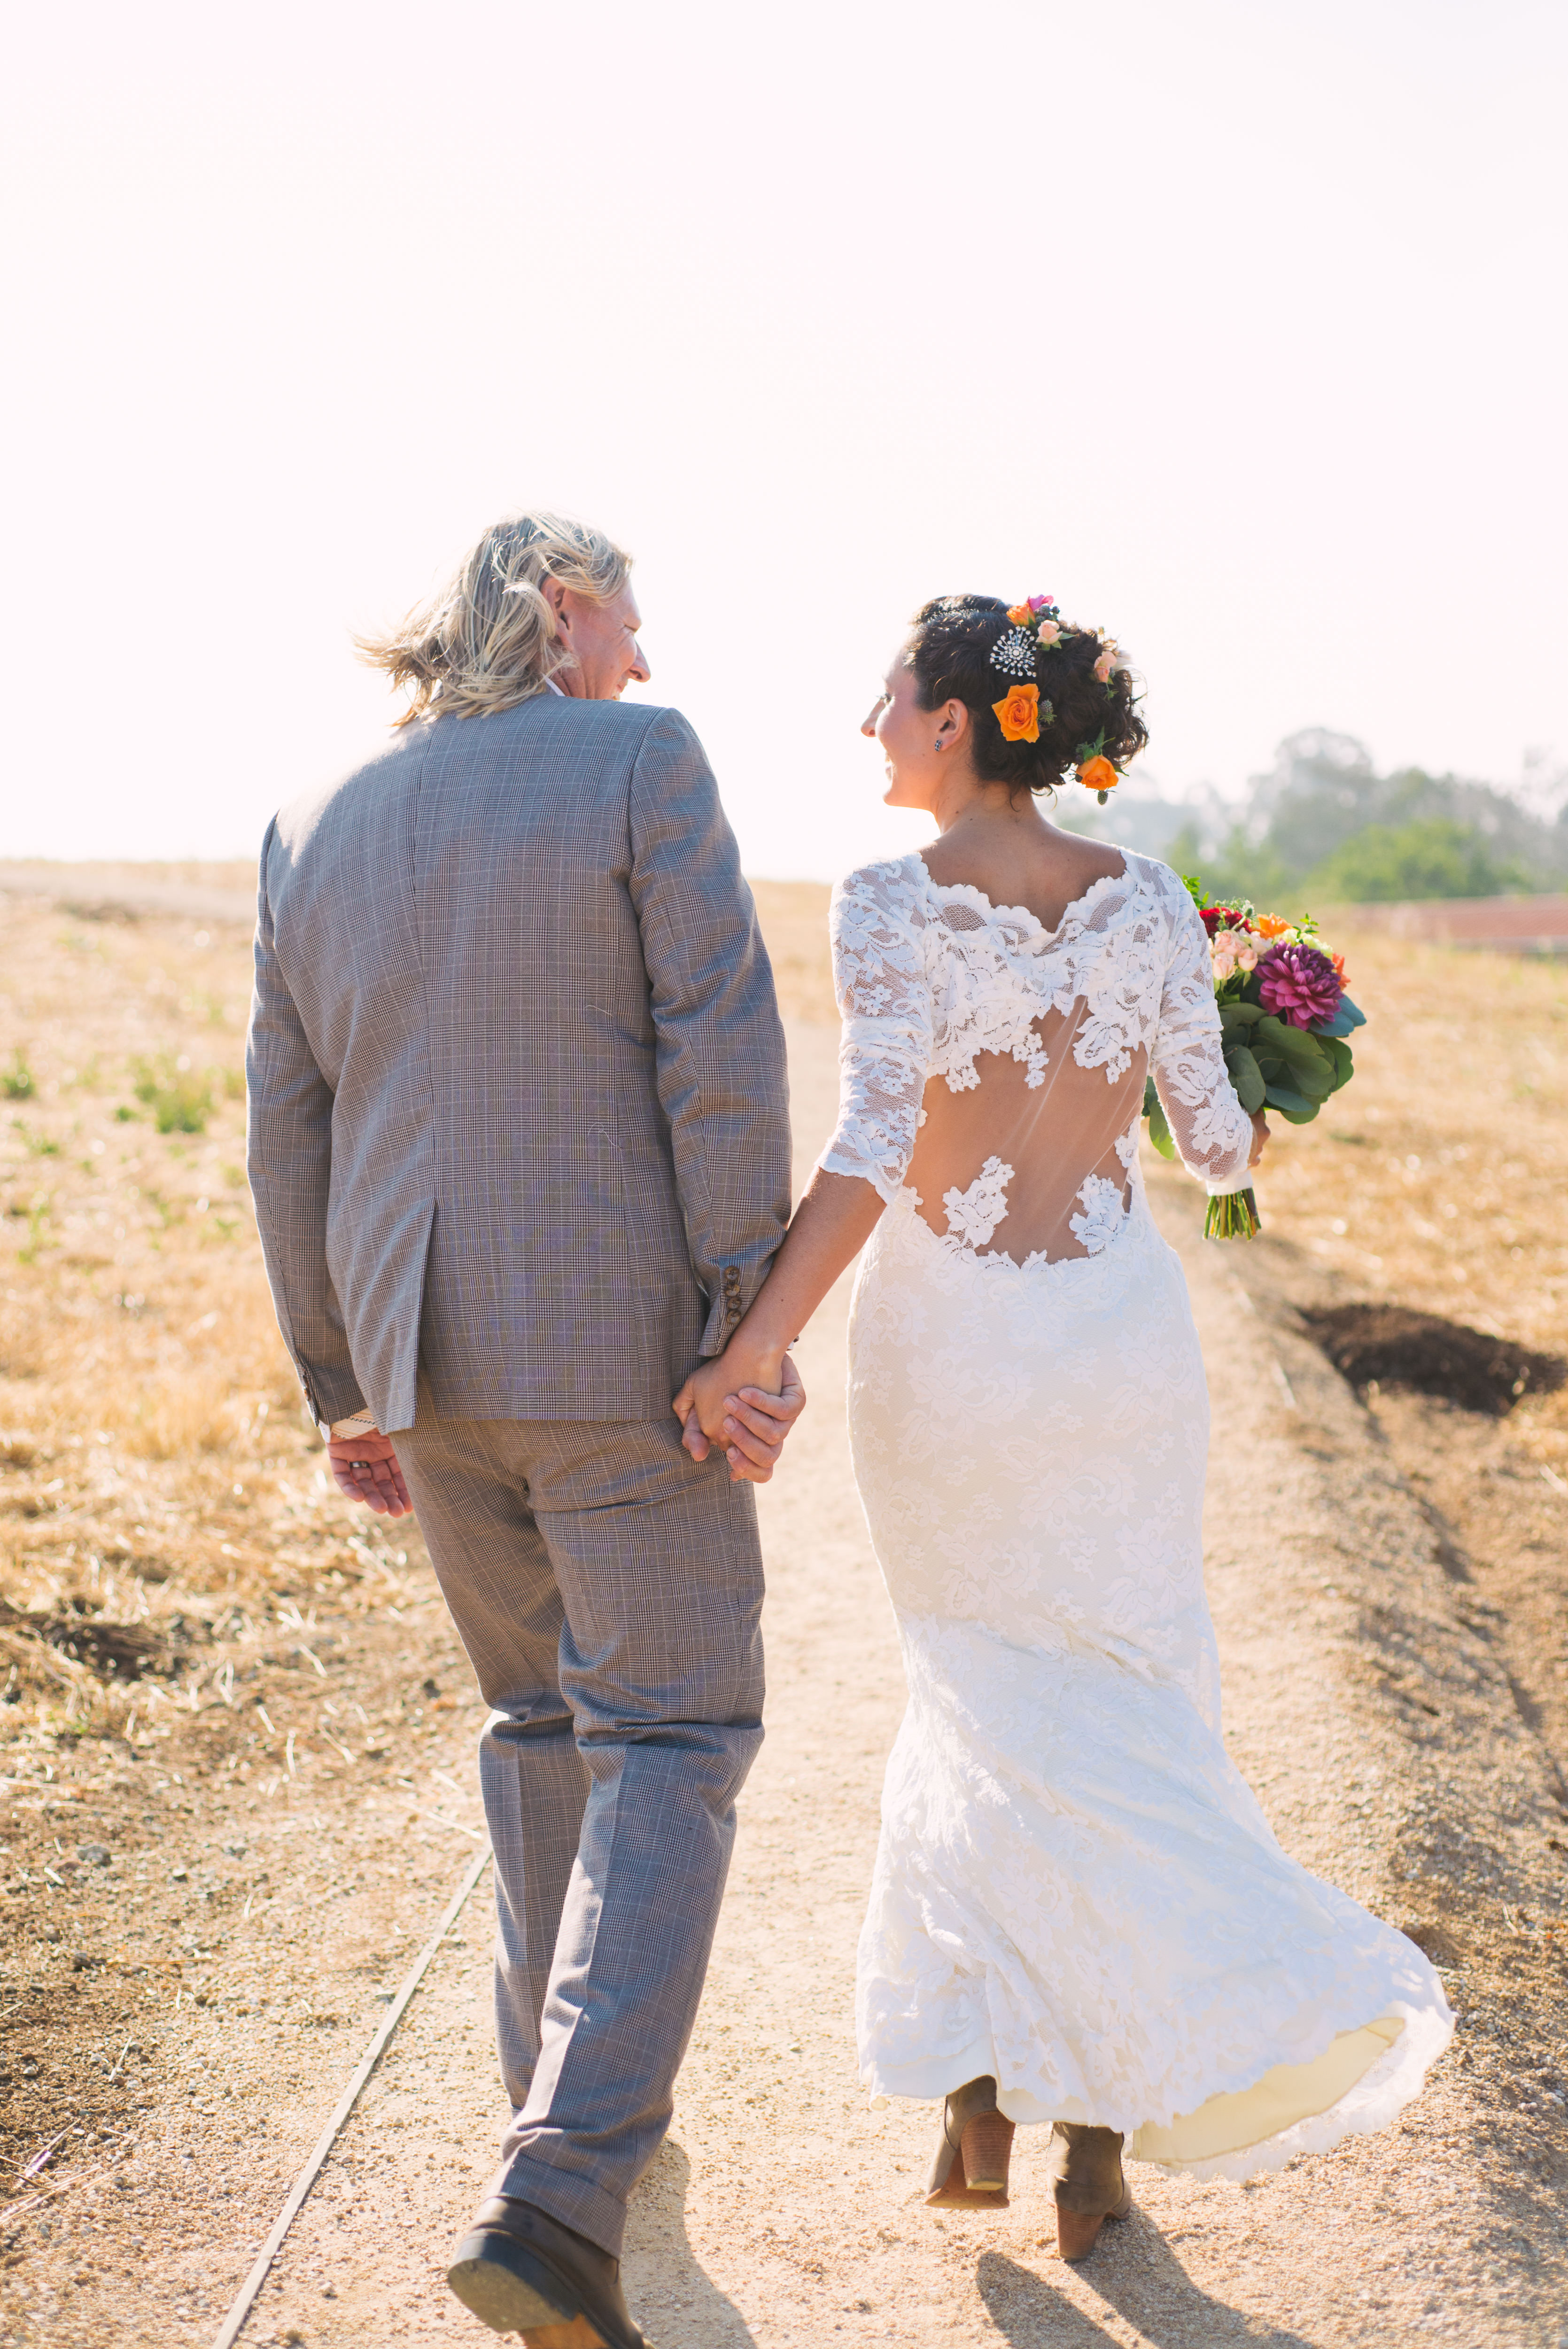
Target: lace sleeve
{"type": "Point", "coordinates": [884, 1050]}
{"type": "Point", "coordinates": [1212, 1130]}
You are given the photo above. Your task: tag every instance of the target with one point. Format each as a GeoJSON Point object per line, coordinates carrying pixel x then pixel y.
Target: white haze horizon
{"type": "Point", "coordinates": [1231, 326]}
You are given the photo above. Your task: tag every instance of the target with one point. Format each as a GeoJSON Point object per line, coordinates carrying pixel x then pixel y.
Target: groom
{"type": "Point", "coordinates": [518, 1144]}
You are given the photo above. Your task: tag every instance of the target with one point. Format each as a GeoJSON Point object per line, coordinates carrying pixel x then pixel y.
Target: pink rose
{"type": "Point", "coordinates": [1047, 632]}
{"type": "Point", "coordinates": [1104, 664]}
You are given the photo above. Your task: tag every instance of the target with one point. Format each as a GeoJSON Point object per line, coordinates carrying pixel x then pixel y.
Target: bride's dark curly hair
{"type": "Point", "coordinates": [949, 649]}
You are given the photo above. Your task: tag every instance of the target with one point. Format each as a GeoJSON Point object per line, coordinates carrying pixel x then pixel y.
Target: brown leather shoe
{"type": "Point", "coordinates": [1088, 2184]}
{"type": "Point", "coordinates": [969, 2169]}
{"type": "Point", "coordinates": [521, 2270]}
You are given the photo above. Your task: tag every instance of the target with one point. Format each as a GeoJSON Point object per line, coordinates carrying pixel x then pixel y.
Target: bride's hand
{"type": "Point", "coordinates": [1260, 1136]}
{"type": "Point", "coordinates": [748, 1406]}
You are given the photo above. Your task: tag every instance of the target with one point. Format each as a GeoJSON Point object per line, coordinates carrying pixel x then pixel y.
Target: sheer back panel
{"type": "Point", "coordinates": [997, 1068]}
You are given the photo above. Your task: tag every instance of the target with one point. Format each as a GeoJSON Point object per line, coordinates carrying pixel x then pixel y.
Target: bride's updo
{"type": "Point", "coordinates": [1087, 704]}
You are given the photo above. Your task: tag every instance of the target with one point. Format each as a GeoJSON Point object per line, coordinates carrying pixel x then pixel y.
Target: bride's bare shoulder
{"type": "Point", "coordinates": [1045, 873]}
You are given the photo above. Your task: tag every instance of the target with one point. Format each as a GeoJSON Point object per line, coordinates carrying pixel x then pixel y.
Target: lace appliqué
{"type": "Point", "coordinates": [930, 976]}
{"type": "Point", "coordinates": [974, 1215]}
{"type": "Point", "coordinates": [1100, 1222]}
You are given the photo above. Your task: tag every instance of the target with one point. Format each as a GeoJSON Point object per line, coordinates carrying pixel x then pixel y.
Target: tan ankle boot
{"type": "Point", "coordinates": [1087, 2183]}
{"type": "Point", "coordinates": [969, 2170]}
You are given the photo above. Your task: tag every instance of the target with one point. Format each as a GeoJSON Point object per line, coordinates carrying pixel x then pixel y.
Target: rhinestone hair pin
{"type": "Point", "coordinates": [1013, 653]}
{"type": "Point", "coordinates": [1035, 625]}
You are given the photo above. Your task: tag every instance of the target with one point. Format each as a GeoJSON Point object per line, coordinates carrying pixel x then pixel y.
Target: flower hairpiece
{"type": "Point", "coordinates": [1095, 770]}
{"type": "Point", "coordinates": [1020, 712]}
{"type": "Point", "coordinates": [1033, 625]}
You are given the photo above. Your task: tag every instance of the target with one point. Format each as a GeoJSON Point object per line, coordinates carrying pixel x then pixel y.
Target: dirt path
{"type": "Point", "coordinates": [1367, 1699]}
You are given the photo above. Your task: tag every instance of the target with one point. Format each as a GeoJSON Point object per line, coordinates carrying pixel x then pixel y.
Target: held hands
{"type": "Point", "coordinates": [720, 1404]}
{"type": "Point", "coordinates": [365, 1468]}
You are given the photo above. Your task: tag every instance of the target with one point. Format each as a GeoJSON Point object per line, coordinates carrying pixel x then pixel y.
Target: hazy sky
{"type": "Point", "coordinates": [1236, 327]}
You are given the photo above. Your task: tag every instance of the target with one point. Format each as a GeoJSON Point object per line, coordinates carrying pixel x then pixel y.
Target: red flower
{"type": "Point", "coordinates": [1222, 917]}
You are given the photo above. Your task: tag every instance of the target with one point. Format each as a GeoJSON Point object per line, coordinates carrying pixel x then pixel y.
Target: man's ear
{"type": "Point", "coordinates": [554, 594]}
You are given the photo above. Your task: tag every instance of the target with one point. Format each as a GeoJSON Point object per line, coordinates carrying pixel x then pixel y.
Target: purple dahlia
{"type": "Point", "coordinates": [1300, 984]}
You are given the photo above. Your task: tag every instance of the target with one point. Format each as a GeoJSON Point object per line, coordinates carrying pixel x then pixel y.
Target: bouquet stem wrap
{"type": "Point", "coordinates": [1232, 1212]}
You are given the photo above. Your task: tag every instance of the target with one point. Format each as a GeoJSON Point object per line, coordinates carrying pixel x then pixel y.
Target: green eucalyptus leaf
{"type": "Point", "coordinates": [1247, 1078]}
{"type": "Point", "coordinates": [1299, 1046]}
{"type": "Point", "coordinates": [1339, 1057]}
{"type": "Point", "coordinates": [1159, 1131]}
{"type": "Point", "coordinates": [1291, 1104]}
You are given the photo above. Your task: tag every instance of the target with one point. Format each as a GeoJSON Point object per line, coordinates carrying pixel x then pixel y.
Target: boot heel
{"type": "Point", "coordinates": [970, 2168]}
{"type": "Point", "coordinates": [985, 2148]}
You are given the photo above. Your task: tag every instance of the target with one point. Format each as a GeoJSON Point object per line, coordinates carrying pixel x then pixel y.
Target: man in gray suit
{"type": "Point", "coordinates": [519, 1144]}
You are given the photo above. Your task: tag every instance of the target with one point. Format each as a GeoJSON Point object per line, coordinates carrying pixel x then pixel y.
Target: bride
{"type": "Point", "coordinates": [1079, 1918]}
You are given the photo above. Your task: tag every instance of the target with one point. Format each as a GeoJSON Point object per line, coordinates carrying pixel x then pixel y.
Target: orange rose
{"type": "Point", "coordinates": [1098, 775]}
{"type": "Point", "coordinates": [1018, 714]}
{"type": "Point", "coordinates": [1271, 927]}
{"type": "Point", "coordinates": [1020, 615]}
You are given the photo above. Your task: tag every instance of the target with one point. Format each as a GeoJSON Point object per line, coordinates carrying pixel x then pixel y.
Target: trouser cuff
{"type": "Point", "coordinates": [577, 2202]}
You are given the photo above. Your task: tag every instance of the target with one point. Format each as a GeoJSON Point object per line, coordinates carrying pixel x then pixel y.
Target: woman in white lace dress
{"type": "Point", "coordinates": [1080, 1917]}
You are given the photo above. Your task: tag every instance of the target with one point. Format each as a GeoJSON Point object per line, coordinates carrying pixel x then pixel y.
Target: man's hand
{"type": "Point", "coordinates": [750, 1422]}
{"type": "Point", "coordinates": [365, 1469]}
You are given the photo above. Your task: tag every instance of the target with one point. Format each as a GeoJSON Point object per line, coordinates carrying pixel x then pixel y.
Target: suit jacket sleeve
{"type": "Point", "coordinates": [289, 1156]}
{"type": "Point", "coordinates": [720, 1048]}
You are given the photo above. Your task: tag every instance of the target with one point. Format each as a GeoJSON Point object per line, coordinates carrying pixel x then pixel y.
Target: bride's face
{"type": "Point", "coordinates": [909, 736]}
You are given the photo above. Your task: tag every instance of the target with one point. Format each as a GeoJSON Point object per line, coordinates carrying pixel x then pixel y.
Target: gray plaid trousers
{"type": "Point", "coordinates": [608, 1590]}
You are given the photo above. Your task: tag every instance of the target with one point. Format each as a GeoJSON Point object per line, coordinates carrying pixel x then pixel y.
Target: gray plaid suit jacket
{"type": "Point", "coordinates": [518, 1103]}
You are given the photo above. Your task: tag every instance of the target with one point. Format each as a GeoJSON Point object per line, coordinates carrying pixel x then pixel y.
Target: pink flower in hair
{"type": "Point", "coordinates": [1041, 603]}
{"type": "Point", "coordinates": [1104, 664]}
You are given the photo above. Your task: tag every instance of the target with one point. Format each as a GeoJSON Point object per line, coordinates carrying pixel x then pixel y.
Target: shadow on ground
{"type": "Point", "coordinates": [1133, 2271]}
{"type": "Point", "coordinates": [671, 2296]}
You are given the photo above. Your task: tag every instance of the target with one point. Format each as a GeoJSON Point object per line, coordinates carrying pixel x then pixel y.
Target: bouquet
{"type": "Point", "coordinates": [1283, 1020]}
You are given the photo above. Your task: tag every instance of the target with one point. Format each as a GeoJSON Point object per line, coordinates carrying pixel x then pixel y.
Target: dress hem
{"type": "Point", "coordinates": [1370, 2104]}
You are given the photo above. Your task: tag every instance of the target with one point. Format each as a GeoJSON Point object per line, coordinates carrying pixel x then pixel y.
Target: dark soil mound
{"type": "Point", "coordinates": [113, 1651]}
{"type": "Point", "coordinates": [1400, 1349]}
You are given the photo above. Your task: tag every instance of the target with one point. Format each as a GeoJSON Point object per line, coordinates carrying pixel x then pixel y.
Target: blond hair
{"type": "Point", "coordinates": [486, 641]}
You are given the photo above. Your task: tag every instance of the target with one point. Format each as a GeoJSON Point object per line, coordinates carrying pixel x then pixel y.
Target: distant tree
{"type": "Point", "coordinates": [1323, 789]}
{"type": "Point", "coordinates": [1323, 821]}
{"type": "Point", "coordinates": [1432, 857]}
{"type": "Point", "coordinates": [1233, 868]}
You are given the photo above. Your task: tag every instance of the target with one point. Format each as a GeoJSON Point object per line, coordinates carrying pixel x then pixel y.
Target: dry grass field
{"type": "Point", "coordinates": [199, 1642]}
{"type": "Point", "coordinates": [158, 1471]}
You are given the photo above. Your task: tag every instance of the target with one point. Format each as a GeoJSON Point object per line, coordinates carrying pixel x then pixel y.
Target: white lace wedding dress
{"type": "Point", "coordinates": [1075, 1889]}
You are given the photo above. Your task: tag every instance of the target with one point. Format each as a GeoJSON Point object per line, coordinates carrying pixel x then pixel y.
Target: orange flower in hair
{"type": "Point", "coordinates": [1020, 615]}
{"type": "Point", "coordinates": [1018, 715]}
{"type": "Point", "coordinates": [1097, 774]}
